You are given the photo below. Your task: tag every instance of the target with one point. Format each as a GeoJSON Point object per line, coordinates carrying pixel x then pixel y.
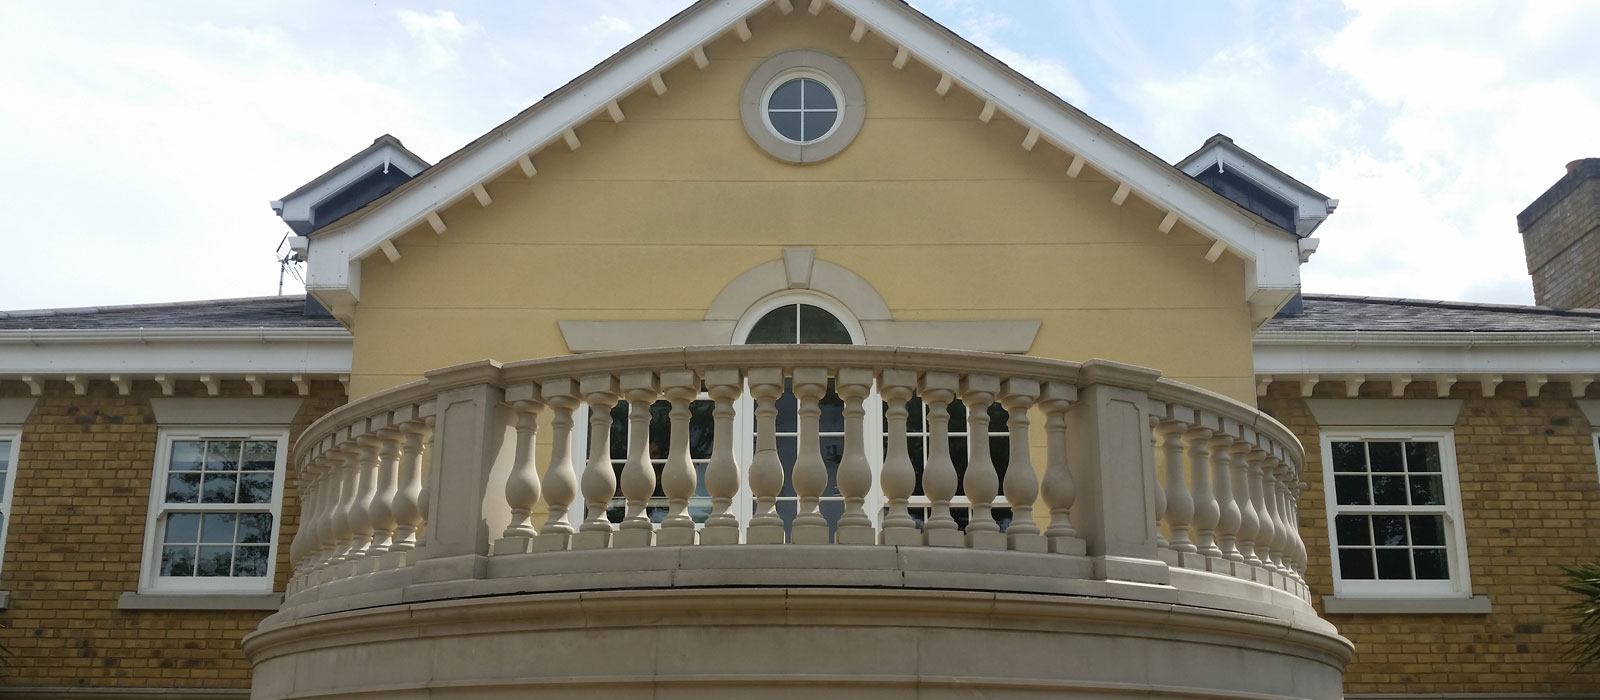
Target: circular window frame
{"type": "Point", "coordinates": [829, 70]}
{"type": "Point", "coordinates": [794, 74]}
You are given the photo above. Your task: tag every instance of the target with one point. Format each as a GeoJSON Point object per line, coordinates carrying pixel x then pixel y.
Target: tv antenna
{"type": "Point", "coordinates": [288, 263]}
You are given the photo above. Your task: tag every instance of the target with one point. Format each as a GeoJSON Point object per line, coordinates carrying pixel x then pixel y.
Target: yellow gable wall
{"type": "Point", "coordinates": [947, 217]}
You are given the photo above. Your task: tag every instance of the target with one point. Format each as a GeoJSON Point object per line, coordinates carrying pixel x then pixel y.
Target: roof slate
{"type": "Point", "coordinates": [1334, 313]}
{"type": "Point", "coordinates": [253, 312]}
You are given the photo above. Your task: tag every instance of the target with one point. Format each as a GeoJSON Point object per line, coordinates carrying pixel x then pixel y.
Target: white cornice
{"type": "Point", "coordinates": [1271, 255]}
{"type": "Point", "coordinates": [32, 336]}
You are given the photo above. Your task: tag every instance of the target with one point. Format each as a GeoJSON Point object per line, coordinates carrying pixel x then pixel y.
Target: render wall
{"type": "Point", "coordinates": [946, 216]}
{"type": "Point", "coordinates": [75, 543]}
{"type": "Point", "coordinates": [1530, 499]}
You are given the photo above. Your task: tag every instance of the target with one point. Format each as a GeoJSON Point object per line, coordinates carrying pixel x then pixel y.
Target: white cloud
{"type": "Point", "coordinates": [438, 33]}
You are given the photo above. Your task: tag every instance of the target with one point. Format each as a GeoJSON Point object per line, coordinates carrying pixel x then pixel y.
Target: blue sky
{"type": "Point", "coordinates": [141, 147]}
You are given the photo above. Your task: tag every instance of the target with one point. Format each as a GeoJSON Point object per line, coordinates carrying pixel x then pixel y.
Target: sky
{"type": "Point", "coordinates": [140, 144]}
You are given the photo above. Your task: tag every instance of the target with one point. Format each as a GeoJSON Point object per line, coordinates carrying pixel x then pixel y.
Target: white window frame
{"type": "Point", "coordinates": [12, 437]}
{"type": "Point", "coordinates": [150, 580]}
{"type": "Point", "coordinates": [1594, 440]}
{"type": "Point", "coordinates": [1458, 585]}
{"type": "Point", "coordinates": [827, 82]}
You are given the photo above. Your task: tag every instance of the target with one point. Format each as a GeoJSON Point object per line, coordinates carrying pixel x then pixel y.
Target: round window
{"type": "Point", "coordinates": [802, 109]}
{"type": "Point", "coordinates": [802, 106]}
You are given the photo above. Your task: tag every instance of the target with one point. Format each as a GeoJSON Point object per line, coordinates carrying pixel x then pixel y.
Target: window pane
{"type": "Point", "coordinates": [1385, 456]}
{"type": "Point", "coordinates": [619, 431]}
{"type": "Point", "coordinates": [255, 488]}
{"type": "Point", "coordinates": [832, 419]}
{"type": "Point", "coordinates": [1427, 529]}
{"type": "Point", "coordinates": [1389, 490]}
{"type": "Point", "coordinates": [218, 527]}
{"type": "Point", "coordinates": [788, 421]}
{"type": "Point", "coordinates": [250, 561]}
{"type": "Point", "coordinates": [222, 455]}
{"type": "Point", "coordinates": [787, 124]}
{"type": "Point", "coordinates": [832, 451]}
{"type": "Point", "coordinates": [818, 96]}
{"type": "Point", "coordinates": [1389, 529]}
{"type": "Point", "coordinates": [1422, 456]}
{"type": "Point", "coordinates": [182, 527]}
{"type": "Point", "coordinates": [786, 454]}
{"type": "Point", "coordinates": [1352, 529]}
{"type": "Point", "coordinates": [1431, 564]}
{"type": "Point", "coordinates": [187, 455]}
{"type": "Point", "coordinates": [215, 561]}
{"type": "Point", "coordinates": [255, 528]}
{"type": "Point", "coordinates": [702, 425]}
{"type": "Point", "coordinates": [914, 415]}
{"type": "Point", "coordinates": [183, 488]}
{"type": "Point", "coordinates": [1352, 490]}
{"type": "Point", "coordinates": [1427, 491]}
{"type": "Point", "coordinates": [779, 325]}
{"type": "Point", "coordinates": [177, 561]}
{"type": "Point", "coordinates": [815, 125]}
{"type": "Point", "coordinates": [1394, 563]}
{"type": "Point", "coordinates": [1349, 457]}
{"type": "Point", "coordinates": [787, 96]}
{"type": "Point", "coordinates": [816, 324]}
{"type": "Point", "coordinates": [260, 455]}
{"type": "Point", "coordinates": [220, 488]}
{"type": "Point", "coordinates": [1356, 564]}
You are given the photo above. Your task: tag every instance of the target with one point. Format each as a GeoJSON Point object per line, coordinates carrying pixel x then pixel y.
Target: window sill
{"type": "Point", "coordinates": [1476, 605]}
{"type": "Point", "coordinates": [194, 601]}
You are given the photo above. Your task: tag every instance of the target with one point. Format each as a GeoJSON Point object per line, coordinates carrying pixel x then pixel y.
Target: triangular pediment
{"type": "Point", "coordinates": [1271, 256]}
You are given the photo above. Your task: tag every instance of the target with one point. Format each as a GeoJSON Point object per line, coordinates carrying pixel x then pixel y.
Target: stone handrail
{"type": "Point", "coordinates": [1144, 480]}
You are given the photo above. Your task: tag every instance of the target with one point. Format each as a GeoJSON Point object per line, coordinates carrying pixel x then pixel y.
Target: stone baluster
{"type": "Point", "coordinates": [380, 511]}
{"type": "Point", "coordinates": [428, 468]}
{"type": "Point", "coordinates": [1180, 502]}
{"type": "Point", "coordinates": [678, 477]}
{"type": "Point", "coordinates": [408, 504]}
{"type": "Point", "coordinates": [722, 470]}
{"type": "Point", "coordinates": [1228, 517]}
{"type": "Point", "coordinates": [600, 392]}
{"type": "Point", "coordinates": [522, 484]}
{"type": "Point", "coordinates": [329, 522]}
{"type": "Point", "coordinates": [982, 481]}
{"type": "Point", "coordinates": [638, 473]}
{"type": "Point", "coordinates": [1157, 410]}
{"type": "Point", "coordinates": [1206, 512]}
{"type": "Point", "coordinates": [1249, 525]}
{"type": "Point", "coordinates": [939, 471]}
{"type": "Point", "coordinates": [1286, 511]}
{"type": "Point", "coordinates": [899, 477]}
{"type": "Point", "coordinates": [1259, 554]}
{"type": "Point", "coordinates": [305, 537]}
{"type": "Point", "coordinates": [810, 473]}
{"type": "Point", "coordinates": [1060, 489]}
{"type": "Point", "coordinates": [359, 515]}
{"type": "Point", "coordinates": [1297, 542]}
{"type": "Point", "coordinates": [349, 474]}
{"type": "Point", "coordinates": [766, 471]}
{"type": "Point", "coordinates": [560, 479]}
{"type": "Point", "coordinates": [855, 472]}
{"type": "Point", "coordinates": [1017, 396]}
{"type": "Point", "coordinates": [1272, 549]}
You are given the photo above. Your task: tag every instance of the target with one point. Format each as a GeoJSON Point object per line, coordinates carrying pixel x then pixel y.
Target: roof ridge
{"type": "Point", "coordinates": [82, 310]}
{"type": "Point", "coordinates": [1447, 304]}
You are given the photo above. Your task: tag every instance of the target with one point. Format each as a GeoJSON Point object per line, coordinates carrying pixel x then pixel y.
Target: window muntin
{"type": "Point", "coordinates": [801, 107]}
{"type": "Point", "coordinates": [1396, 512]}
{"type": "Point", "coordinates": [9, 440]}
{"type": "Point", "coordinates": [214, 513]}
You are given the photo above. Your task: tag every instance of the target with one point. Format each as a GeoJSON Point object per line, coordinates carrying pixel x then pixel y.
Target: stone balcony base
{"type": "Point", "coordinates": [794, 642]}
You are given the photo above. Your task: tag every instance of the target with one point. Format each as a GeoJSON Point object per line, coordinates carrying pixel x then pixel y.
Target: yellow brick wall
{"type": "Point", "coordinates": [1530, 499]}
{"type": "Point", "coordinates": [76, 539]}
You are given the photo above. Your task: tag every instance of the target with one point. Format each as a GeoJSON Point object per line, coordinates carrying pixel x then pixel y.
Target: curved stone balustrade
{"type": "Point", "coordinates": [1138, 491]}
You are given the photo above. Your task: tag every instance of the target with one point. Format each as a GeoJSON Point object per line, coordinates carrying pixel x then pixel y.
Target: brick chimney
{"type": "Point", "coordinates": [1561, 237]}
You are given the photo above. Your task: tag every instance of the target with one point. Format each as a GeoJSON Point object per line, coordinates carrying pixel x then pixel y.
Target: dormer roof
{"type": "Point", "coordinates": [378, 168]}
{"type": "Point", "coordinates": [1219, 155]}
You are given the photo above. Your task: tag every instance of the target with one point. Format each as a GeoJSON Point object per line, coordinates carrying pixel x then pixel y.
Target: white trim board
{"type": "Point", "coordinates": [1271, 254]}
{"type": "Point", "coordinates": [229, 411]}
{"type": "Point", "coordinates": [16, 411]}
{"type": "Point", "coordinates": [1399, 353]}
{"type": "Point", "coordinates": [322, 354]}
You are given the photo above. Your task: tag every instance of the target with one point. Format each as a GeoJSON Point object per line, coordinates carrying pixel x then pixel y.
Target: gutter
{"type": "Point", "coordinates": [1469, 339]}
{"type": "Point", "coordinates": [261, 334]}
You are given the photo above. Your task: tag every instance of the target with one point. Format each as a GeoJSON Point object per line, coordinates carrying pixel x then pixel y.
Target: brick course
{"type": "Point", "coordinates": [76, 541]}
{"type": "Point", "coordinates": [1530, 499]}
